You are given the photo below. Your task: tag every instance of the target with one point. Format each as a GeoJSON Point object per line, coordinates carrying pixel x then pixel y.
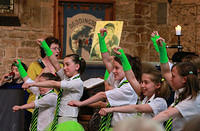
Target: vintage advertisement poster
{"type": "Point", "coordinates": [114, 30]}
{"type": "Point", "coordinates": [80, 31]}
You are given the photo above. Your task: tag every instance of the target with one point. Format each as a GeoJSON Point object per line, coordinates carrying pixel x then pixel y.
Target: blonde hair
{"type": "Point", "coordinates": [138, 124]}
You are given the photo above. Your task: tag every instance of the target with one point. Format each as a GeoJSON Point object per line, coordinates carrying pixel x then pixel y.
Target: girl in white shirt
{"type": "Point", "coordinates": [123, 94]}
{"type": "Point", "coordinates": [154, 92]}
{"type": "Point", "coordinates": [182, 77]}
{"type": "Point", "coordinates": [70, 87]}
{"type": "Point", "coordinates": [46, 104]}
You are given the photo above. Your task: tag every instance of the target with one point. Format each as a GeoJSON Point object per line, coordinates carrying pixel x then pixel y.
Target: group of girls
{"type": "Point", "coordinates": [69, 88]}
{"type": "Point", "coordinates": [153, 89]}
{"type": "Point", "coordinates": [135, 91]}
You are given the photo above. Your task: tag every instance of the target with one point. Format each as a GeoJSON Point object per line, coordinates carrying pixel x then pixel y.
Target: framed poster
{"type": "Point", "coordinates": [80, 34]}
{"type": "Point", "coordinates": [75, 21]}
{"type": "Point", "coordinates": [112, 39]}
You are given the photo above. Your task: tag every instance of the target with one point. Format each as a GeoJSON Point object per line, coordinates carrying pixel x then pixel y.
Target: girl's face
{"type": "Point", "coordinates": [15, 70]}
{"type": "Point", "coordinates": [177, 80]}
{"type": "Point", "coordinates": [70, 68]}
{"type": "Point", "coordinates": [43, 90]}
{"type": "Point", "coordinates": [148, 86]}
{"type": "Point", "coordinates": [55, 49]}
{"type": "Point", "coordinates": [118, 71]}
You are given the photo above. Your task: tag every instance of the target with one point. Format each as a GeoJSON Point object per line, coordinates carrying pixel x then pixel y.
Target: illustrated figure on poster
{"type": "Point", "coordinates": [81, 40]}
{"type": "Point", "coordinates": [112, 40]}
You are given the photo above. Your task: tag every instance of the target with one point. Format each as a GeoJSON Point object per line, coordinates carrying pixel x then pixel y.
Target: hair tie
{"type": "Point", "coordinates": [190, 72]}
{"type": "Point", "coordinates": [80, 58]}
{"type": "Point", "coordinates": [162, 79]}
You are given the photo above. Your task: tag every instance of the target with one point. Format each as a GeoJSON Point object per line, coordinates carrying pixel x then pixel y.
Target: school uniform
{"type": "Point", "coordinates": [72, 90]}
{"type": "Point", "coordinates": [46, 105]}
{"type": "Point", "coordinates": [125, 95]}
{"type": "Point", "coordinates": [188, 108]}
{"type": "Point", "coordinates": [157, 104]}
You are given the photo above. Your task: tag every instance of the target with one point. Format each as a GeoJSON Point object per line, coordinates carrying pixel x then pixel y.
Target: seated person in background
{"type": "Point", "coordinates": [45, 103]}
{"type": "Point", "coordinates": [12, 78]}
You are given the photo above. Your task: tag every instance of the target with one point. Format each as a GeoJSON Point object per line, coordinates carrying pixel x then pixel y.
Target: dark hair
{"type": "Point", "coordinates": [24, 65]}
{"type": "Point", "coordinates": [135, 63]}
{"type": "Point", "coordinates": [49, 40]}
{"type": "Point", "coordinates": [188, 70]}
{"type": "Point", "coordinates": [195, 60]}
{"type": "Point", "coordinates": [156, 77]}
{"type": "Point", "coordinates": [179, 56]}
{"type": "Point", "coordinates": [78, 60]}
{"type": "Point", "coordinates": [188, 58]}
{"type": "Point", "coordinates": [50, 76]}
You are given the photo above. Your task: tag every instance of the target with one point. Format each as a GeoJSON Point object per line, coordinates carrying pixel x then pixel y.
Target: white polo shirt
{"type": "Point", "coordinates": [46, 105]}
{"type": "Point", "coordinates": [188, 108]}
{"type": "Point", "coordinates": [157, 104]}
{"type": "Point", "coordinates": [72, 90]}
{"type": "Point", "coordinates": [125, 95]}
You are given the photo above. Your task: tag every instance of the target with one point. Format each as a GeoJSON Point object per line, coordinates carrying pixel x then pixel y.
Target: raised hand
{"type": "Point", "coordinates": [154, 33]}
{"type": "Point", "coordinates": [154, 37]}
{"type": "Point", "coordinates": [102, 31]}
{"type": "Point", "coordinates": [160, 41]}
{"type": "Point", "coordinates": [16, 108]}
{"type": "Point", "coordinates": [116, 50]}
{"type": "Point", "coordinates": [102, 43]}
{"type": "Point", "coordinates": [75, 103]}
{"type": "Point", "coordinates": [39, 41]}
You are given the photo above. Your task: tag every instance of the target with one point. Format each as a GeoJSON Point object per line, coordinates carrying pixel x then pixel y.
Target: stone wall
{"type": "Point", "coordinates": [139, 16]}
{"type": "Point", "coordinates": [36, 18]}
{"type": "Point", "coordinates": [140, 19]}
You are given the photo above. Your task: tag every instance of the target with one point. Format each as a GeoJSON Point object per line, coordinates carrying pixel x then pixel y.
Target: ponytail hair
{"type": "Point", "coordinates": [188, 70]}
{"type": "Point", "coordinates": [78, 60]}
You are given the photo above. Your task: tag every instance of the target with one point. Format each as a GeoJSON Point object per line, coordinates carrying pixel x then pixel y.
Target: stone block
{"type": "Point", "coordinates": [9, 43]}
{"type": "Point", "coordinates": [145, 37]}
{"type": "Point", "coordinates": [29, 44]}
{"type": "Point", "coordinates": [133, 37]}
{"type": "Point", "coordinates": [137, 22]}
{"type": "Point", "coordinates": [10, 53]}
{"type": "Point", "coordinates": [17, 34]}
{"type": "Point", "coordinates": [142, 9]}
{"type": "Point", "coordinates": [27, 53]}
{"type": "Point", "coordinates": [2, 52]}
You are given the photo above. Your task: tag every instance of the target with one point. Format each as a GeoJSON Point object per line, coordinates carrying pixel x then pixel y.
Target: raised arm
{"type": "Point", "coordinates": [127, 69]}
{"type": "Point", "coordinates": [26, 106]}
{"type": "Point", "coordinates": [44, 84]}
{"type": "Point", "coordinates": [142, 108]}
{"type": "Point", "coordinates": [107, 59]}
{"type": "Point", "coordinates": [49, 53]}
{"type": "Point", "coordinates": [165, 69]}
{"type": "Point", "coordinates": [99, 96]}
{"type": "Point", "coordinates": [21, 70]}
